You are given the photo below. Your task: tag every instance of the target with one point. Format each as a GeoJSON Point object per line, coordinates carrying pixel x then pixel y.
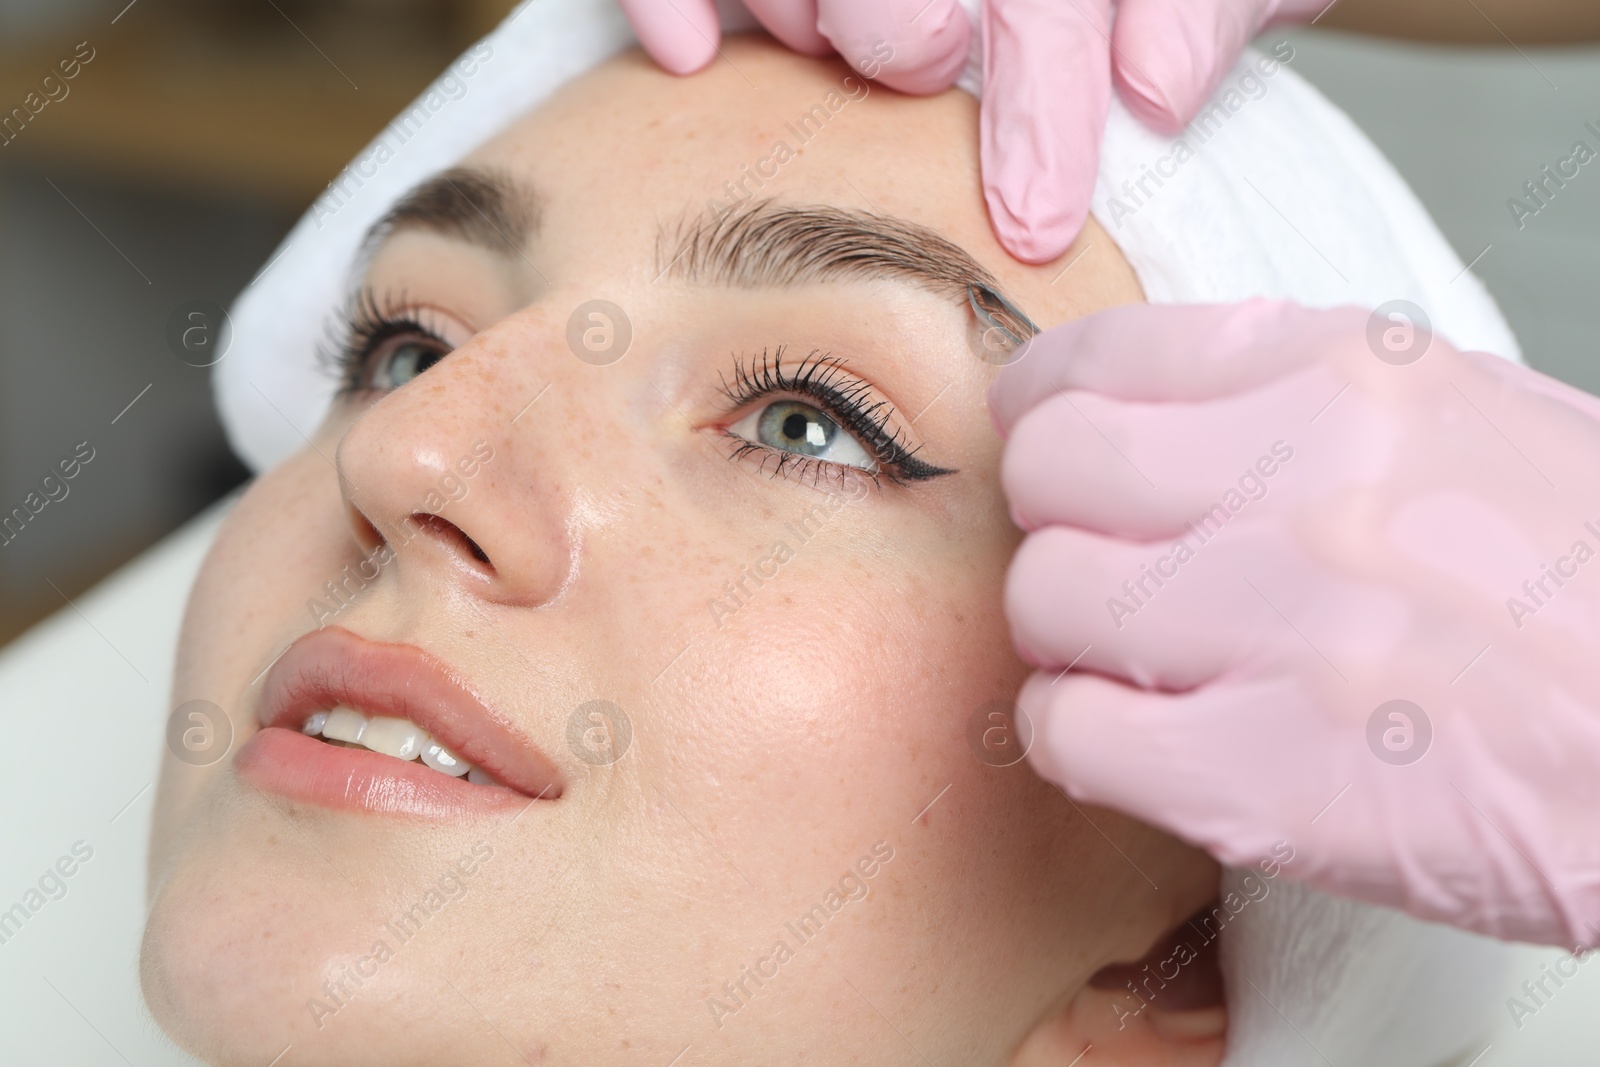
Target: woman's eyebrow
{"type": "Point", "coordinates": [766, 244]}
{"type": "Point", "coordinates": [756, 245]}
{"type": "Point", "coordinates": [484, 207]}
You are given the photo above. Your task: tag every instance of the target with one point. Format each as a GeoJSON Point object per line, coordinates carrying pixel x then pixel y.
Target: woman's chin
{"type": "Point", "coordinates": [358, 938]}
{"type": "Point", "coordinates": [248, 950]}
{"type": "Point", "coordinates": [237, 976]}
{"type": "Point", "coordinates": [207, 947]}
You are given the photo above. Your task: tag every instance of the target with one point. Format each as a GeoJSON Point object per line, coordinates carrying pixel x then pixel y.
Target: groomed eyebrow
{"type": "Point", "coordinates": [483, 207]}
{"type": "Point", "coordinates": [762, 244]}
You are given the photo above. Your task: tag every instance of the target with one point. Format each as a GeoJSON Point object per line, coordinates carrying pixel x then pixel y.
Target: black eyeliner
{"type": "Point", "coordinates": [823, 378]}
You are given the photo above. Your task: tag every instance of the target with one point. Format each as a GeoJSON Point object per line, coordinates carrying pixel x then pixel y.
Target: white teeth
{"type": "Point", "coordinates": [344, 724]}
{"type": "Point", "coordinates": [440, 758]}
{"type": "Point", "coordinates": [400, 738]}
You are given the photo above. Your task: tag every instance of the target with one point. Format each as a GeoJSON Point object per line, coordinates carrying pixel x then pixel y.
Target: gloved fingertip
{"type": "Point", "coordinates": [1166, 67]}
{"type": "Point", "coordinates": [1037, 210]}
{"type": "Point", "coordinates": [1026, 653]}
{"type": "Point", "coordinates": [807, 43]}
{"type": "Point", "coordinates": [933, 78]}
{"type": "Point", "coordinates": [1152, 104]}
{"type": "Point", "coordinates": [680, 41]}
{"type": "Point", "coordinates": [795, 25]}
{"type": "Point", "coordinates": [680, 37]}
{"type": "Point", "coordinates": [925, 62]}
{"type": "Point", "coordinates": [1038, 240]}
{"type": "Point", "coordinates": [1033, 706]}
{"type": "Point", "coordinates": [684, 61]}
{"type": "Point", "coordinates": [1033, 699]}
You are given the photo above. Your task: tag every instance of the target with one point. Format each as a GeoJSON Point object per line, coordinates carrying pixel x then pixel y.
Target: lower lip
{"type": "Point", "coordinates": [290, 764]}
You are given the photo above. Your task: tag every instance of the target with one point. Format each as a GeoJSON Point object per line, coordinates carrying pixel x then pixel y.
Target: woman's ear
{"type": "Point", "coordinates": [1165, 1010]}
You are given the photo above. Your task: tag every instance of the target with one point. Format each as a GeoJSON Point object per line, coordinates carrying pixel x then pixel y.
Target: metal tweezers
{"type": "Point", "coordinates": [996, 312]}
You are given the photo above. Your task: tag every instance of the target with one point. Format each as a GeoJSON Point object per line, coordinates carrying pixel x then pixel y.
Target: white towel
{"type": "Point", "coordinates": [1274, 192]}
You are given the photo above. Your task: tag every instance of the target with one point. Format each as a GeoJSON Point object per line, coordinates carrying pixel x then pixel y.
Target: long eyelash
{"type": "Point", "coordinates": [365, 322]}
{"type": "Point", "coordinates": [823, 378]}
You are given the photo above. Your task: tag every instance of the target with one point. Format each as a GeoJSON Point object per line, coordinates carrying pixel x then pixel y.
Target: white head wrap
{"type": "Point", "coordinates": [1272, 192]}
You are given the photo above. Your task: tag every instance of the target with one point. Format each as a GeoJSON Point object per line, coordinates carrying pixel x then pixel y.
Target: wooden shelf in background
{"type": "Point", "coordinates": [266, 115]}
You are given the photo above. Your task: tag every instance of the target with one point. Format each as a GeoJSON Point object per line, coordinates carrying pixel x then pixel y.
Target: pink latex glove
{"type": "Point", "coordinates": [1048, 67]}
{"type": "Point", "coordinates": [1255, 526]}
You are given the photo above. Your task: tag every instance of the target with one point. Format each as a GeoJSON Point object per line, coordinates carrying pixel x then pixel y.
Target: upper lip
{"type": "Point", "coordinates": [333, 666]}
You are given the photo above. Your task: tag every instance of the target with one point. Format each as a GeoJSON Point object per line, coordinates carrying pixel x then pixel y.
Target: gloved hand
{"type": "Point", "coordinates": [1319, 579]}
{"type": "Point", "coordinates": [1048, 67]}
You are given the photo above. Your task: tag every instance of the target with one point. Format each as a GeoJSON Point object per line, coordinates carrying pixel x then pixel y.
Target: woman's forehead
{"type": "Point", "coordinates": [626, 159]}
{"type": "Point", "coordinates": [628, 140]}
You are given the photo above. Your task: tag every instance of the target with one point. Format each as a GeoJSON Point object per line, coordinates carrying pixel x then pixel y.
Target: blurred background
{"type": "Point", "coordinates": [199, 130]}
{"type": "Point", "coordinates": [181, 154]}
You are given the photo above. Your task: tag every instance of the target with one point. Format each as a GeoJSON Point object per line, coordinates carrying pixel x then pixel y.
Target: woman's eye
{"type": "Point", "coordinates": [402, 360]}
{"type": "Point", "coordinates": [791, 426]}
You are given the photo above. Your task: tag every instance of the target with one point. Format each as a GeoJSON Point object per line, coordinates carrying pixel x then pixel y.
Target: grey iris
{"type": "Point", "coordinates": [407, 361]}
{"type": "Point", "coordinates": [796, 427]}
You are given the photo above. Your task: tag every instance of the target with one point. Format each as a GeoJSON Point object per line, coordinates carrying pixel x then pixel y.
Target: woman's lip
{"type": "Point", "coordinates": [333, 666]}
{"type": "Point", "coordinates": [289, 764]}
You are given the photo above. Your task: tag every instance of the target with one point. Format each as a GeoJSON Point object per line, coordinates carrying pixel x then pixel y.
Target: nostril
{"type": "Point", "coordinates": [452, 536]}
{"type": "Point", "coordinates": [367, 535]}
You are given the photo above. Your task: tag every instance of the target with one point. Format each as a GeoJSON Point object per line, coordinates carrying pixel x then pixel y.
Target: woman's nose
{"type": "Point", "coordinates": [437, 471]}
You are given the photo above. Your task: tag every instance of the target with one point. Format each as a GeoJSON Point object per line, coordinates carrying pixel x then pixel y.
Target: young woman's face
{"type": "Point", "coordinates": [708, 575]}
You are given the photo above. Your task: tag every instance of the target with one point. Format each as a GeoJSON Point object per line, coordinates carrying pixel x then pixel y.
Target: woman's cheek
{"type": "Point", "coordinates": [285, 536]}
{"type": "Point", "coordinates": [282, 540]}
